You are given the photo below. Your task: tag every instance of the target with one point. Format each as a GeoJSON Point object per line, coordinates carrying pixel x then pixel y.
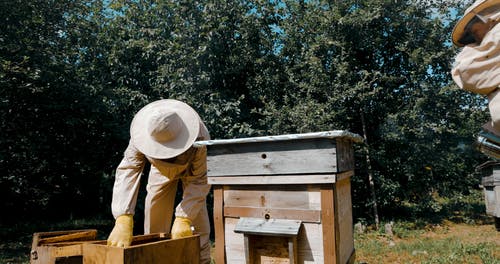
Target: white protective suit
{"type": "Point", "coordinates": [190, 167]}
{"type": "Point", "coordinates": [477, 69]}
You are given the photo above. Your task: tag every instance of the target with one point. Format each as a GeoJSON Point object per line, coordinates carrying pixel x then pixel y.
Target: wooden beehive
{"type": "Point", "coordinates": [152, 248]}
{"type": "Point", "coordinates": [60, 247]}
{"type": "Point", "coordinates": [491, 189]}
{"type": "Point", "coordinates": [273, 182]}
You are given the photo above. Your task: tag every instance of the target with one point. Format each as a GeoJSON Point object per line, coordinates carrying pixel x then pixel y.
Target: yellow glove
{"type": "Point", "coordinates": [121, 235]}
{"type": "Point", "coordinates": [181, 228]}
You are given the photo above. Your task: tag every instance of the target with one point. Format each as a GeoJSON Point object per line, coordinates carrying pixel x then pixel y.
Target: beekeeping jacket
{"type": "Point", "coordinates": [190, 168]}
{"type": "Point", "coordinates": [477, 69]}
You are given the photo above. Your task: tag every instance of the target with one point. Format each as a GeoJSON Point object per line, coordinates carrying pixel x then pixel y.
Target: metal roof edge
{"type": "Point", "coordinates": [323, 134]}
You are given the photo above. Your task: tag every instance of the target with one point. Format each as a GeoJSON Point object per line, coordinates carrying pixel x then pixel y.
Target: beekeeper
{"type": "Point", "coordinates": [477, 66]}
{"type": "Point", "coordinates": [162, 133]}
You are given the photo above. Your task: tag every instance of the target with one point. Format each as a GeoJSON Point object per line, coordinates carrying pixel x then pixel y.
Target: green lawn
{"type": "Point", "coordinates": [444, 243]}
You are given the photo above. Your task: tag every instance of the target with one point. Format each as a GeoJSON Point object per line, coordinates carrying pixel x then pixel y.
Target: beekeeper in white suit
{"type": "Point", "coordinates": [477, 66]}
{"type": "Point", "coordinates": [162, 133]}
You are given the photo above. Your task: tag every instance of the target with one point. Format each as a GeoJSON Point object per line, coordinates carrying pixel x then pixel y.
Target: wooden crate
{"type": "Point", "coordinates": [61, 247]}
{"type": "Point", "coordinates": [301, 177]}
{"type": "Point", "coordinates": [153, 248]}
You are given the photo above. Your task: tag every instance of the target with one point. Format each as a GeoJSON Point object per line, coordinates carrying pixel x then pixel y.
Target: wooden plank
{"type": "Point", "coordinates": [39, 237]}
{"type": "Point", "coordinates": [184, 250]}
{"type": "Point", "coordinates": [235, 242]}
{"type": "Point", "coordinates": [66, 251]}
{"type": "Point", "coordinates": [292, 250]}
{"type": "Point", "coordinates": [345, 234]}
{"type": "Point", "coordinates": [268, 227]}
{"type": "Point", "coordinates": [270, 158]}
{"type": "Point", "coordinates": [285, 197]}
{"type": "Point", "coordinates": [42, 255]}
{"type": "Point", "coordinates": [219, 224]}
{"type": "Point", "coordinates": [77, 236]}
{"type": "Point", "coordinates": [310, 216]}
{"type": "Point", "coordinates": [328, 224]}
{"type": "Point", "coordinates": [272, 179]}
{"type": "Point", "coordinates": [142, 239]}
{"type": "Point", "coordinates": [310, 244]}
{"type": "Point", "coordinates": [344, 175]}
{"type": "Point", "coordinates": [285, 187]}
{"type": "Point", "coordinates": [300, 179]}
{"type": "Point", "coordinates": [248, 250]}
{"type": "Point", "coordinates": [345, 154]}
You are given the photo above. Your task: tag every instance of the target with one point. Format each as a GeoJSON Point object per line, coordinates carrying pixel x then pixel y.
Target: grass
{"type": "Point", "coordinates": [445, 243]}
{"type": "Point", "coordinates": [454, 230]}
{"type": "Point", "coordinates": [459, 232]}
{"type": "Point", "coordinates": [437, 244]}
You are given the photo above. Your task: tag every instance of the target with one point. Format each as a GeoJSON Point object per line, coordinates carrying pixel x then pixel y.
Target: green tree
{"type": "Point", "coordinates": [380, 69]}
{"type": "Point", "coordinates": [54, 136]}
{"type": "Point", "coordinates": [73, 73]}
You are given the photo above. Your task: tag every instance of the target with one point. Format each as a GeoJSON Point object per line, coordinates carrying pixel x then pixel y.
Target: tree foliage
{"type": "Point", "coordinates": [73, 73]}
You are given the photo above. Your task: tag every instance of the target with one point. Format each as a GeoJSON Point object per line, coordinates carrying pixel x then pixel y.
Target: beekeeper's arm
{"type": "Point", "coordinates": [125, 190]}
{"type": "Point", "coordinates": [196, 189]}
{"type": "Point", "coordinates": [477, 67]}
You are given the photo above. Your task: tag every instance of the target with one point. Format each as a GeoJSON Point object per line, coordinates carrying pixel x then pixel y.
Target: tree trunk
{"type": "Point", "coordinates": [370, 174]}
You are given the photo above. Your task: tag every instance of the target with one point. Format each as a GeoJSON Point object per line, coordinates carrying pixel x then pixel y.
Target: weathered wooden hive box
{"type": "Point", "coordinates": [152, 248]}
{"type": "Point", "coordinates": [283, 199]}
{"type": "Point", "coordinates": [491, 189]}
{"type": "Point", "coordinates": [81, 246]}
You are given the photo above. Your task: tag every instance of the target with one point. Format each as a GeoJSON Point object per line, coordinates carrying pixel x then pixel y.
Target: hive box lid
{"type": "Point", "coordinates": [323, 154]}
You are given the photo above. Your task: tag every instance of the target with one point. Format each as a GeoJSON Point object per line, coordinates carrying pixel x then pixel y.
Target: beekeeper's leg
{"type": "Point", "coordinates": [202, 226]}
{"type": "Point", "coordinates": [197, 187]}
{"type": "Point", "coordinates": [494, 106]}
{"type": "Point", "coordinates": [159, 204]}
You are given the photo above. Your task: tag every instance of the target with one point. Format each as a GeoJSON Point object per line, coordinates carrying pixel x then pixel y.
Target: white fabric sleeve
{"type": "Point", "coordinates": [477, 67]}
{"type": "Point", "coordinates": [127, 181]}
{"type": "Point", "coordinates": [195, 186]}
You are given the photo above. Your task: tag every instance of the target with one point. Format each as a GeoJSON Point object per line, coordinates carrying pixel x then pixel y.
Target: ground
{"type": "Point", "coordinates": [444, 243]}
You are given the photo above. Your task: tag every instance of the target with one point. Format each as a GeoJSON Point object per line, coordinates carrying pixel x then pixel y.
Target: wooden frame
{"type": "Point", "coordinates": [334, 216]}
{"type": "Point", "coordinates": [60, 246]}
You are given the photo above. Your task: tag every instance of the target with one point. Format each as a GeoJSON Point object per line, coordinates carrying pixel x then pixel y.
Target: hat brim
{"type": "Point", "coordinates": [459, 28]}
{"type": "Point", "coordinates": [143, 141]}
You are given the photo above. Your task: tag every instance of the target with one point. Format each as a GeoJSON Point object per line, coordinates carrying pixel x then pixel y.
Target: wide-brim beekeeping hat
{"type": "Point", "coordinates": [164, 129]}
{"type": "Point", "coordinates": [477, 8]}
